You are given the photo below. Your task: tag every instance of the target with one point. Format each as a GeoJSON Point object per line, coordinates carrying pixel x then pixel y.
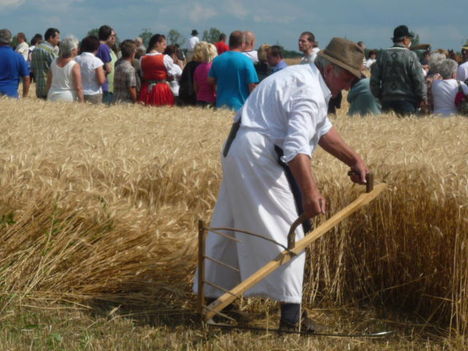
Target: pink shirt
{"type": "Point", "coordinates": [205, 92]}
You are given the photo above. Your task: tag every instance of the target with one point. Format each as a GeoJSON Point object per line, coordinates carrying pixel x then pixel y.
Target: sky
{"type": "Point", "coordinates": [439, 23]}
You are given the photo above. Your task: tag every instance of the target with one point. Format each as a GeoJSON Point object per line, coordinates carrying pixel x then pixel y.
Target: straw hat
{"type": "Point", "coordinates": [345, 54]}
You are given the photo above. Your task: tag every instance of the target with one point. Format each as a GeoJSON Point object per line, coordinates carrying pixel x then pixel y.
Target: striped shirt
{"type": "Point", "coordinates": [41, 58]}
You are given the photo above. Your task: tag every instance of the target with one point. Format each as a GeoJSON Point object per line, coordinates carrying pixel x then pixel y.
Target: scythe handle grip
{"type": "Point", "coordinates": [303, 217]}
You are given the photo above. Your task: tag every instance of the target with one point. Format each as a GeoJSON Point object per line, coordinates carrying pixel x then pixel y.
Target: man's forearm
{"type": "Point", "coordinates": [333, 143]}
{"type": "Point", "coordinates": [302, 171]}
{"type": "Point", "coordinates": [336, 146]}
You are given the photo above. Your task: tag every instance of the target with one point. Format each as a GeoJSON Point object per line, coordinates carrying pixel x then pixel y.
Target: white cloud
{"type": "Point", "coordinates": [273, 19]}
{"type": "Point", "coordinates": [235, 8]}
{"type": "Point", "coordinates": [11, 3]}
{"type": "Point", "coordinates": [200, 13]}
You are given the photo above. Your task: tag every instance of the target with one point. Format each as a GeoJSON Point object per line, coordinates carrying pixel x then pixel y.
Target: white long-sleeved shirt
{"type": "Point", "coordinates": [290, 107]}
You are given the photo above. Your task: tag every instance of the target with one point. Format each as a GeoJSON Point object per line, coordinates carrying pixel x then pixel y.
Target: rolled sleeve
{"type": "Point", "coordinates": [302, 126]}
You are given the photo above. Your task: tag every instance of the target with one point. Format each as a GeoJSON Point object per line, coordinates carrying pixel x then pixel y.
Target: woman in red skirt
{"type": "Point", "coordinates": [156, 70]}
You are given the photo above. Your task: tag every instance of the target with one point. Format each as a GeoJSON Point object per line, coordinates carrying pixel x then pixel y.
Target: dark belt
{"type": "Point", "coordinates": [306, 225]}
{"type": "Point", "coordinates": [231, 137]}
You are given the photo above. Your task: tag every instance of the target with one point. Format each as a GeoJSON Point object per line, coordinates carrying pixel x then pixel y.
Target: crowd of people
{"type": "Point", "coordinates": [222, 74]}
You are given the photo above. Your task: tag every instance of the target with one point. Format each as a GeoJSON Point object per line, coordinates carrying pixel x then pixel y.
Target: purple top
{"type": "Point", "coordinates": [206, 92]}
{"type": "Point", "coordinates": [104, 53]}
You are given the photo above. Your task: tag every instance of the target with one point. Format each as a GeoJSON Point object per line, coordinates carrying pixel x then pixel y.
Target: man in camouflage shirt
{"type": "Point", "coordinates": [397, 78]}
{"type": "Point", "coordinates": [41, 58]}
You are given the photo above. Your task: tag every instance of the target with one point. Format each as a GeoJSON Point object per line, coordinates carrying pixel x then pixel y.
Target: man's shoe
{"type": "Point", "coordinates": [306, 325]}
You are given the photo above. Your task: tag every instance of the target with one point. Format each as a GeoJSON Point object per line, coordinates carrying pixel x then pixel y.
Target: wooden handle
{"type": "Point", "coordinates": [302, 218]}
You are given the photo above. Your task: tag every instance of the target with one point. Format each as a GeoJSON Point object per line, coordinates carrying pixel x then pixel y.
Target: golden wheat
{"type": "Point", "coordinates": [102, 203]}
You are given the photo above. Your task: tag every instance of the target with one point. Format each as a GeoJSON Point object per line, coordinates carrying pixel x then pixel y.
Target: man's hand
{"type": "Point", "coordinates": [358, 172]}
{"type": "Point", "coordinates": [314, 204]}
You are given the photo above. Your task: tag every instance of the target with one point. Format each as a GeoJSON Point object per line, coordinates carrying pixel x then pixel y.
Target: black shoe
{"type": "Point", "coordinates": [306, 325]}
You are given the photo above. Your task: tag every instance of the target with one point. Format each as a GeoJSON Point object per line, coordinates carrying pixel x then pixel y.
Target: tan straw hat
{"type": "Point", "coordinates": [345, 54]}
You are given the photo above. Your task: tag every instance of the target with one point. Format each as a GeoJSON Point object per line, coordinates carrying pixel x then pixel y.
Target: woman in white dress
{"type": "Point", "coordinates": [445, 89]}
{"type": "Point", "coordinates": [64, 77]}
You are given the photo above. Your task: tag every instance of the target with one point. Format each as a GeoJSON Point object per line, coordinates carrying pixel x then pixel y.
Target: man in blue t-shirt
{"type": "Point", "coordinates": [12, 68]}
{"type": "Point", "coordinates": [234, 75]}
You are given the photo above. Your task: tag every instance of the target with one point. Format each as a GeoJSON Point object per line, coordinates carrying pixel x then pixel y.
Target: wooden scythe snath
{"type": "Point", "coordinates": [294, 249]}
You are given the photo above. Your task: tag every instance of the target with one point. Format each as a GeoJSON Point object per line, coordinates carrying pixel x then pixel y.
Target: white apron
{"type": "Point", "coordinates": [255, 196]}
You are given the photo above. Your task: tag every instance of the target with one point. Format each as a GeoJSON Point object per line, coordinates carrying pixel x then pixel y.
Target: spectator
{"type": "Point", "coordinates": [191, 44]}
{"type": "Point", "coordinates": [157, 68]}
{"type": "Point", "coordinates": [187, 94]}
{"type": "Point", "coordinates": [248, 46]}
{"type": "Point", "coordinates": [435, 59]}
{"type": "Point", "coordinates": [22, 47]}
{"type": "Point", "coordinates": [275, 58]}
{"type": "Point", "coordinates": [234, 75]}
{"type": "Point", "coordinates": [372, 58]}
{"type": "Point", "coordinates": [172, 51]}
{"type": "Point", "coordinates": [444, 90]}
{"type": "Point", "coordinates": [92, 70]}
{"type": "Point", "coordinates": [41, 58]}
{"type": "Point", "coordinates": [308, 46]}
{"type": "Point", "coordinates": [221, 45]}
{"type": "Point", "coordinates": [139, 44]}
{"type": "Point", "coordinates": [261, 67]}
{"type": "Point", "coordinates": [125, 82]}
{"type": "Point", "coordinates": [64, 76]}
{"type": "Point", "coordinates": [107, 37]}
{"type": "Point", "coordinates": [397, 78]}
{"type": "Point", "coordinates": [360, 98]}
{"type": "Point", "coordinates": [12, 68]}
{"type": "Point", "coordinates": [462, 72]}
{"type": "Point", "coordinates": [206, 94]}
{"type": "Point", "coordinates": [36, 40]}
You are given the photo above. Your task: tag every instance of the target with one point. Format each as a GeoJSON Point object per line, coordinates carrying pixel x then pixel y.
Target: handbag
{"type": "Point", "coordinates": [461, 101]}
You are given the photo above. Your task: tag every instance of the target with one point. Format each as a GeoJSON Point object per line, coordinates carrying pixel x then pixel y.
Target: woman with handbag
{"type": "Point", "coordinates": [444, 91]}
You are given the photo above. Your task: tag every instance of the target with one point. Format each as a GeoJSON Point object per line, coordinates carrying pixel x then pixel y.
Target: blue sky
{"type": "Point", "coordinates": [440, 23]}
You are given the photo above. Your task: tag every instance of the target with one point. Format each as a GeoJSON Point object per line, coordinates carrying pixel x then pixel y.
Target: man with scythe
{"type": "Point", "coordinates": [267, 175]}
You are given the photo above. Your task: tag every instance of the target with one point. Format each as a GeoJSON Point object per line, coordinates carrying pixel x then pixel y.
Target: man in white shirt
{"type": "Point", "coordinates": [308, 46]}
{"type": "Point", "coordinates": [22, 47]}
{"type": "Point", "coordinates": [191, 45]}
{"type": "Point", "coordinates": [267, 174]}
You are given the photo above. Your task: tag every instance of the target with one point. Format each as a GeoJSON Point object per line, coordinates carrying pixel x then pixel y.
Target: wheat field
{"type": "Point", "coordinates": [101, 204]}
